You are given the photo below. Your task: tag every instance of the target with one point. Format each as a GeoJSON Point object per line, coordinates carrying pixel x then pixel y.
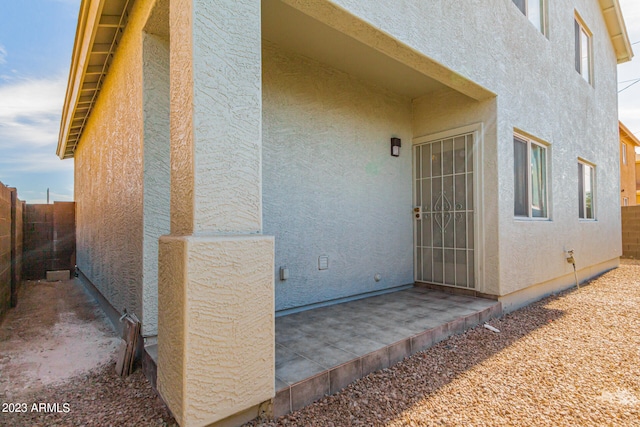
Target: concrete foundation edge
{"type": "Point", "coordinates": [524, 297]}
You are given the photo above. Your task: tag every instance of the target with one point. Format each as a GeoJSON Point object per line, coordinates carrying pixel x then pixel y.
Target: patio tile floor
{"type": "Point", "coordinates": [323, 350]}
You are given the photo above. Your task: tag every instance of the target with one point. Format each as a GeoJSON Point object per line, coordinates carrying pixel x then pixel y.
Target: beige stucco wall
{"type": "Point", "coordinates": [109, 181]}
{"type": "Point", "coordinates": [628, 175]}
{"type": "Point", "coordinates": [216, 328]}
{"type": "Point", "coordinates": [637, 178]}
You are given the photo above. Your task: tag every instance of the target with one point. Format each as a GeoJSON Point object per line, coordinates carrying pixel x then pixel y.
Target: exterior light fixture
{"type": "Point", "coordinates": [395, 147]}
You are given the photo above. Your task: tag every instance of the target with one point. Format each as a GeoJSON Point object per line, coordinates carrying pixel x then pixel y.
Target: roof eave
{"type": "Point", "coordinates": [627, 136]}
{"type": "Point", "coordinates": [617, 30]}
{"type": "Point", "coordinates": [101, 24]}
{"type": "Point", "coordinates": [88, 17]}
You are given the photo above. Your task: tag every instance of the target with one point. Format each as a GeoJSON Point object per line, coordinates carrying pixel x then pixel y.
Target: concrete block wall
{"type": "Point", "coordinates": [64, 236]}
{"type": "Point", "coordinates": [17, 242]}
{"type": "Point", "coordinates": [631, 232]}
{"type": "Point", "coordinates": [11, 209]}
{"type": "Point", "coordinates": [5, 250]}
{"type": "Point", "coordinates": [38, 236]}
{"type": "Point", "coordinates": [49, 239]}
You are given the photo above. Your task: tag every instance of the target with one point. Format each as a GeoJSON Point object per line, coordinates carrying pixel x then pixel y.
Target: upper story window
{"type": "Point", "coordinates": [530, 178]}
{"type": "Point", "coordinates": [583, 50]}
{"type": "Point", "coordinates": [535, 11]}
{"type": "Point", "coordinates": [624, 153]}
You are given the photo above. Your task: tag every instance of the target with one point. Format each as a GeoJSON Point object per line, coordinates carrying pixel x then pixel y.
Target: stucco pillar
{"type": "Point", "coordinates": [216, 294]}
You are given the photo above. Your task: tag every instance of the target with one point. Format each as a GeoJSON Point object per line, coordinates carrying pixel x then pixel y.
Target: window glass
{"type": "Point", "coordinates": [538, 182]}
{"type": "Point", "coordinates": [534, 13]}
{"type": "Point", "coordinates": [521, 205]}
{"type": "Point", "coordinates": [534, 10]}
{"type": "Point", "coordinates": [580, 190]}
{"type": "Point", "coordinates": [583, 51]}
{"type": "Point", "coordinates": [530, 178]}
{"type": "Point", "coordinates": [586, 191]}
{"type": "Point", "coordinates": [522, 5]}
{"type": "Point", "coordinates": [584, 54]}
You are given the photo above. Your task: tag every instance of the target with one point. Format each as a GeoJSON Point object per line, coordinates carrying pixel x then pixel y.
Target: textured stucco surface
{"type": "Point", "coordinates": [157, 177]}
{"type": "Point", "coordinates": [331, 187]}
{"type": "Point", "coordinates": [216, 328]}
{"type": "Point", "coordinates": [539, 92]}
{"type": "Point", "coordinates": [577, 120]}
{"type": "Point", "coordinates": [216, 93]}
{"type": "Point", "coordinates": [122, 174]}
{"type": "Point", "coordinates": [181, 104]}
{"type": "Point", "coordinates": [216, 343]}
{"type": "Point", "coordinates": [227, 127]}
{"type": "Point", "coordinates": [109, 178]}
{"type": "Point", "coordinates": [628, 176]}
{"type": "Point", "coordinates": [172, 276]}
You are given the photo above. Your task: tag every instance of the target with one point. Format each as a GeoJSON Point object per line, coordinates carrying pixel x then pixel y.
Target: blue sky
{"type": "Point", "coordinates": [36, 39]}
{"type": "Point", "coordinates": [628, 73]}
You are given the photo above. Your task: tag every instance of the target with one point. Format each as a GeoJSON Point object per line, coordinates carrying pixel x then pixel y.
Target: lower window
{"type": "Point", "coordinates": [586, 190]}
{"type": "Point", "coordinates": [530, 178]}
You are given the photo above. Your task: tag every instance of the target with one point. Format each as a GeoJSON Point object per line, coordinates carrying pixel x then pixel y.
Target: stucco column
{"type": "Point", "coordinates": [215, 293]}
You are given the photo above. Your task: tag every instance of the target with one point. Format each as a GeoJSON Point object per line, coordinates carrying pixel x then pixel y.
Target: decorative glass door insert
{"type": "Point", "coordinates": [444, 223]}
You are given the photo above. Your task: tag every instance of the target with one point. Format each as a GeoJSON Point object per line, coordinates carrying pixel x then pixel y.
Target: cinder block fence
{"type": "Point", "coordinates": [11, 211]}
{"type": "Point", "coordinates": [631, 232]}
{"type": "Point", "coordinates": [34, 239]}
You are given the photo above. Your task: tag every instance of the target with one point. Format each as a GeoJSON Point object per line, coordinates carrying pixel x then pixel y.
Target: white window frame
{"type": "Point", "coordinates": [583, 203]}
{"type": "Point", "coordinates": [583, 52]}
{"type": "Point", "coordinates": [530, 206]}
{"type": "Point", "coordinates": [625, 201]}
{"type": "Point", "coordinates": [529, 6]}
{"type": "Point", "coordinates": [624, 154]}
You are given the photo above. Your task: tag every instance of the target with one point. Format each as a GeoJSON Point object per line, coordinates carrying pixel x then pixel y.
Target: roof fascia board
{"type": "Point", "coordinates": [617, 30]}
{"type": "Point", "coordinates": [88, 20]}
{"type": "Point", "coordinates": [627, 136]}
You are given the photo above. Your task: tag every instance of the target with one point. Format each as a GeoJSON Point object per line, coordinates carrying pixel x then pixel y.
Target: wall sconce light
{"type": "Point", "coordinates": [395, 147]}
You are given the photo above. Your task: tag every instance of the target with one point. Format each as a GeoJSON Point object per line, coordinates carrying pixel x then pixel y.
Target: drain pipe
{"type": "Point", "coordinates": [571, 260]}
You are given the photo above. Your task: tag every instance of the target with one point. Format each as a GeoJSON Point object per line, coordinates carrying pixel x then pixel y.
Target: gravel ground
{"type": "Point", "coordinates": [569, 360]}
{"type": "Point", "coordinates": [99, 398]}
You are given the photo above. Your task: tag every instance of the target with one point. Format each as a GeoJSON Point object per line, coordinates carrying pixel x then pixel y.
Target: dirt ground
{"type": "Point", "coordinates": [57, 358]}
{"type": "Point", "coordinates": [54, 334]}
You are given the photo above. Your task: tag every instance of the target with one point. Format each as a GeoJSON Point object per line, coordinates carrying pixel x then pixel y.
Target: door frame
{"type": "Point", "coordinates": [477, 129]}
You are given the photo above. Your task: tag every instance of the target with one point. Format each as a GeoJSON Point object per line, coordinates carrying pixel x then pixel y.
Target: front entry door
{"type": "Point", "coordinates": [443, 213]}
